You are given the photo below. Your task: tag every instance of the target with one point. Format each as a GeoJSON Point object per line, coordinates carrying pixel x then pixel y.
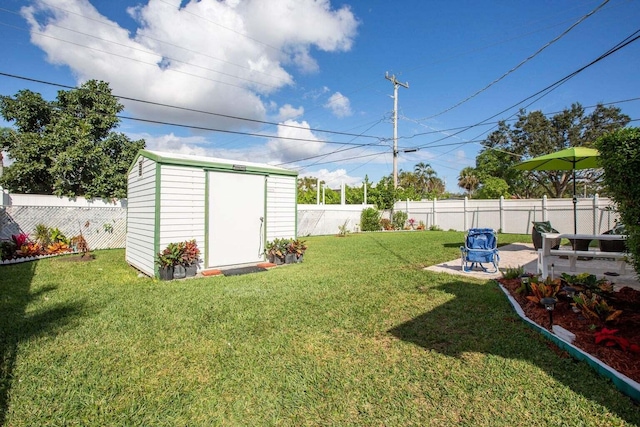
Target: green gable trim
{"type": "Point", "coordinates": [214, 165]}
{"type": "Point", "coordinates": [205, 250]}
{"type": "Point", "coordinates": [156, 229]}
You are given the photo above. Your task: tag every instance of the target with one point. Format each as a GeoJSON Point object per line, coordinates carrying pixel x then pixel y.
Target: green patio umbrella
{"type": "Point", "coordinates": [572, 159]}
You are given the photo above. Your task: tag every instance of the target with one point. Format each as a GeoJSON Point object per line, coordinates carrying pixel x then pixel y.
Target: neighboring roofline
{"type": "Point", "coordinates": [213, 163]}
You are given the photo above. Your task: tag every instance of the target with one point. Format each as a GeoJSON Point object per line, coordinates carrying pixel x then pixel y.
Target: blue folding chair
{"type": "Point", "coordinates": [480, 247]}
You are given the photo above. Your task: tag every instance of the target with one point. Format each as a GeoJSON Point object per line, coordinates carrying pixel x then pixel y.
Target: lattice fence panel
{"type": "Point", "coordinates": [103, 228]}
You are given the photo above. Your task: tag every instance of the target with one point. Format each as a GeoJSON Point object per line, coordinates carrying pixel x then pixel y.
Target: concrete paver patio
{"type": "Point", "coordinates": [524, 254]}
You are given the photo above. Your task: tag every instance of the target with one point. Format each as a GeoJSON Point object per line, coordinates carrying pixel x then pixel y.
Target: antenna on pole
{"type": "Point", "coordinates": [396, 83]}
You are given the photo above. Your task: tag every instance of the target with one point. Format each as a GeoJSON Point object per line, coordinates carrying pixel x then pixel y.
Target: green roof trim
{"type": "Point", "coordinates": [212, 163]}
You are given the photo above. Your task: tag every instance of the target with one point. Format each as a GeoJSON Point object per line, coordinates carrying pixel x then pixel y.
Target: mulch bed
{"type": "Point", "coordinates": [627, 324]}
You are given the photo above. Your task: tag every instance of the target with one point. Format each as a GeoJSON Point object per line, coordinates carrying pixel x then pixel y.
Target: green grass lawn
{"type": "Point", "coordinates": [358, 334]}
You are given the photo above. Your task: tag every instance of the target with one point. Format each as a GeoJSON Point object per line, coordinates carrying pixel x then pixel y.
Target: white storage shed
{"type": "Point", "coordinates": [231, 208]}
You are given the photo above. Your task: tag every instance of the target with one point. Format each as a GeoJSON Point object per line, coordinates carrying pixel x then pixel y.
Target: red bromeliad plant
{"type": "Point", "coordinates": [609, 338]}
{"type": "Point", "coordinates": [20, 239]}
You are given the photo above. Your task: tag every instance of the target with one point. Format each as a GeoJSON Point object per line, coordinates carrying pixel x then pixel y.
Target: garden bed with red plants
{"type": "Point", "coordinates": [49, 242]}
{"type": "Point", "coordinates": [606, 324]}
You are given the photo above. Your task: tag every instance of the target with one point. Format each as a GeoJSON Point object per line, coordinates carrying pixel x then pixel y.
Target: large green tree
{"type": "Point", "coordinates": [535, 134]}
{"type": "Point", "coordinates": [67, 147]}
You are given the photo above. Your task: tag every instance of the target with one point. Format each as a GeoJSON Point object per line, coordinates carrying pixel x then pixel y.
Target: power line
{"type": "Point", "coordinates": [504, 120]}
{"type": "Point", "coordinates": [530, 57]}
{"type": "Point", "coordinates": [625, 42]}
{"type": "Point", "coordinates": [195, 110]}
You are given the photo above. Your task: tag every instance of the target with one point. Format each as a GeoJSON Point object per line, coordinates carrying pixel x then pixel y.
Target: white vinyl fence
{"type": "Point", "coordinates": [103, 223]}
{"type": "Point", "coordinates": [594, 215]}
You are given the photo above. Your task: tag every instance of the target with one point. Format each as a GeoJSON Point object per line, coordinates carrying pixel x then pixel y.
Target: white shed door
{"type": "Point", "coordinates": [236, 213]}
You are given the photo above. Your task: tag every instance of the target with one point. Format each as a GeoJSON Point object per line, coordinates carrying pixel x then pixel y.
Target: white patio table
{"type": "Point", "coordinates": [545, 254]}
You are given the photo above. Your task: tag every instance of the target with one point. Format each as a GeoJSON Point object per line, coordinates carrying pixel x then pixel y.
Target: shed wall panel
{"type": "Point", "coordinates": [182, 205]}
{"type": "Point", "coordinates": [140, 250]}
{"type": "Point", "coordinates": [281, 207]}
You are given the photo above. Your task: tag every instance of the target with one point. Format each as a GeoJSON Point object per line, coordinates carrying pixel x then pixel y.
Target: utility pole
{"type": "Point", "coordinates": [396, 83]}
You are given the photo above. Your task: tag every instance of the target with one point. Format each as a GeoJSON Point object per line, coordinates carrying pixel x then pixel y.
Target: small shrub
{"type": "Point", "coordinates": [596, 307]}
{"type": "Point", "coordinates": [588, 283]}
{"type": "Point", "coordinates": [513, 272]}
{"type": "Point", "coordinates": [370, 219]}
{"type": "Point", "coordinates": [7, 249]}
{"type": "Point", "coordinates": [58, 237]}
{"type": "Point", "coordinates": [386, 224]}
{"type": "Point", "coordinates": [43, 235]}
{"type": "Point", "coordinates": [398, 219]}
{"type": "Point", "coordinates": [538, 290]}
{"type": "Point", "coordinates": [434, 228]}
{"type": "Point", "coordinates": [79, 244]}
{"type": "Point", "coordinates": [342, 229]}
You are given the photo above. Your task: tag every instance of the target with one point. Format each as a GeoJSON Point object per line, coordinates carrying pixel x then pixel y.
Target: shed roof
{"type": "Point", "coordinates": [212, 163]}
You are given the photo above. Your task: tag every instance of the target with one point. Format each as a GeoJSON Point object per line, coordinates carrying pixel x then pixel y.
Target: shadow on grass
{"type": "Point", "coordinates": [476, 321]}
{"type": "Point", "coordinates": [16, 326]}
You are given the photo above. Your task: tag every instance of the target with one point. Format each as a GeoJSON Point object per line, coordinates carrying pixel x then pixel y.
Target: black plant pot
{"type": "Point", "coordinates": [166, 273]}
{"type": "Point", "coordinates": [179, 272]}
{"type": "Point", "coordinates": [289, 258]}
{"type": "Point", "coordinates": [191, 270]}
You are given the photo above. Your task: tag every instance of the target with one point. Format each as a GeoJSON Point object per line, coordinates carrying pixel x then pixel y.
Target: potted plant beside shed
{"type": "Point", "coordinates": [191, 257]}
{"type": "Point", "coordinates": [165, 265]}
{"type": "Point", "coordinates": [295, 251]}
{"type": "Point", "coordinates": [276, 250]}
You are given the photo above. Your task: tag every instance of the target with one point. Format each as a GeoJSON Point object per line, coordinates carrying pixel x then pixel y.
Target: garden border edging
{"type": "Point", "coordinates": [20, 260]}
{"type": "Point", "coordinates": [625, 384]}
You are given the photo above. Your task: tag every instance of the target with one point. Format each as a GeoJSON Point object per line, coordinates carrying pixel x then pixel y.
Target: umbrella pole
{"type": "Point", "coordinates": [575, 202]}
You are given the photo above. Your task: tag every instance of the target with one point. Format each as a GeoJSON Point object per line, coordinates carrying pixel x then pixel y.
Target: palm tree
{"type": "Point", "coordinates": [468, 180]}
{"type": "Point", "coordinates": [425, 175]}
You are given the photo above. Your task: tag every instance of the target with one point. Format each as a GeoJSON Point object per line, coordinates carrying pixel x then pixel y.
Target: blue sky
{"type": "Point", "coordinates": [310, 75]}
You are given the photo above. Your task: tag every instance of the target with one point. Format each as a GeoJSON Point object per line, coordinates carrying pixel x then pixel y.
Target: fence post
{"type": "Point", "coordinates": [596, 211]}
{"type": "Point", "coordinates": [544, 208]}
{"type": "Point", "coordinates": [502, 214]}
{"type": "Point", "coordinates": [464, 214]}
{"type": "Point", "coordinates": [435, 212]}
{"type": "Point", "coordinates": [364, 201]}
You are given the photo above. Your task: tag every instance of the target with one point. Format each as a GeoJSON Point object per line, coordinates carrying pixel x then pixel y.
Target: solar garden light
{"type": "Point", "coordinates": [570, 291]}
{"type": "Point", "coordinates": [524, 279]}
{"type": "Point", "coordinates": [549, 303]}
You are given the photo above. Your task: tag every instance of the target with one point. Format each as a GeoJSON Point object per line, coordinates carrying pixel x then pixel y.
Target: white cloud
{"type": "Point", "coordinates": [335, 178]}
{"type": "Point", "coordinates": [202, 146]}
{"type": "Point", "coordinates": [287, 112]}
{"type": "Point", "coordinates": [298, 143]}
{"type": "Point", "coordinates": [339, 105]}
{"type": "Point", "coordinates": [217, 56]}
